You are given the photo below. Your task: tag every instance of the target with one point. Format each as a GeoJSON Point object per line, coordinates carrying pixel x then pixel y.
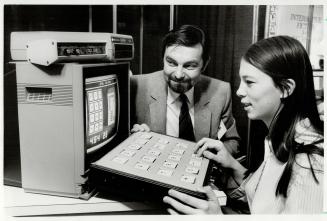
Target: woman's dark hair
{"type": "Point", "coordinates": [187, 35]}
{"type": "Point", "coordinates": [283, 58]}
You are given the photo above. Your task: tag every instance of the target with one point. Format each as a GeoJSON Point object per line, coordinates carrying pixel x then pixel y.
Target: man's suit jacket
{"type": "Point", "coordinates": [212, 104]}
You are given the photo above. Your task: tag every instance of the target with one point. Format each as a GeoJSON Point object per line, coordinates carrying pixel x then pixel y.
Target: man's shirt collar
{"type": "Point", "coordinates": [172, 96]}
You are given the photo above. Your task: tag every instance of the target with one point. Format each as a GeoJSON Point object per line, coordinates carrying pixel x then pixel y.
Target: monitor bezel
{"type": "Point", "coordinates": [88, 74]}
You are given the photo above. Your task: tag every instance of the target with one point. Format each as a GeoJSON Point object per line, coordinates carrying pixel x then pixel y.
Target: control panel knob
{"type": "Point", "coordinates": [76, 51]}
{"type": "Point", "coordinates": [68, 51]}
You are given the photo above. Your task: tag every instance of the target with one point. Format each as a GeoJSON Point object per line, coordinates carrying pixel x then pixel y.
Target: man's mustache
{"type": "Point", "coordinates": [179, 80]}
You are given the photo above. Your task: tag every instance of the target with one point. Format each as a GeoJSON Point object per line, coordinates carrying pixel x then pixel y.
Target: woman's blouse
{"type": "Point", "coordinates": [304, 194]}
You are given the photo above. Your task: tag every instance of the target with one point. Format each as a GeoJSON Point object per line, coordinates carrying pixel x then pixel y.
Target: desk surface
{"type": "Point", "coordinates": [19, 203]}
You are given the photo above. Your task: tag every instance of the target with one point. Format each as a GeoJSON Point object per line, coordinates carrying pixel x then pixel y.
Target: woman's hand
{"type": "Point", "coordinates": [215, 150]}
{"type": "Point", "coordinates": [182, 203]}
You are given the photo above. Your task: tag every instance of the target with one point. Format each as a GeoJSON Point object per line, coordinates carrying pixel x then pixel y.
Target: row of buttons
{"type": "Point", "coordinates": [96, 106]}
{"type": "Point", "coordinates": [94, 95]}
{"type": "Point", "coordinates": [96, 117]}
{"type": "Point", "coordinates": [163, 172]}
{"type": "Point", "coordinates": [95, 127]}
{"type": "Point", "coordinates": [171, 163]}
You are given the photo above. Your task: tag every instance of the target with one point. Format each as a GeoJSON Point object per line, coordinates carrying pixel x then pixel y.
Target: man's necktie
{"type": "Point", "coordinates": [185, 122]}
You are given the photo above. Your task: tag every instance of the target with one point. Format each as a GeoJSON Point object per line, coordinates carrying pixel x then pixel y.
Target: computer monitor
{"type": "Point", "coordinates": [70, 114]}
{"type": "Point", "coordinates": [101, 111]}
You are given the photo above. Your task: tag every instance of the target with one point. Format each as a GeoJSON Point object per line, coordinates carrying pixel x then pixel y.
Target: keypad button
{"type": "Point", "coordinates": [193, 170]}
{"type": "Point", "coordinates": [96, 116]}
{"type": "Point", "coordinates": [100, 105]}
{"type": "Point", "coordinates": [146, 136]}
{"type": "Point", "coordinates": [188, 179]}
{"type": "Point", "coordinates": [96, 127]}
{"type": "Point", "coordinates": [194, 156]}
{"type": "Point", "coordinates": [100, 115]}
{"type": "Point", "coordinates": [196, 163]}
{"type": "Point", "coordinates": [154, 152]}
{"type": "Point", "coordinates": [181, 145]}
{"type": "Point", "coordinates": [134, 146]}
{"type": "Point", "coordinates": [100, 94]}
{"type": "Point", "coordinates": [95, 95]}
{"type": "Point", "coordinates": [96, 106]}
{"type": "Point", "coordinates": [120, 160]}
{"type": "Point", "coordinates": [90, 95]}
{"type": "Point", "coordinates": [163, 141]}
{"type": "Point", "coordinates": [141, 141]}
{"type": "Point", "coordinates": [170, 164]}
{"type": "Point", "coordinates": [128, 153]}
{"type": "Point", "coordinates": [142, 166]}
{"type": "Point", "coordinates": [174, 157]}
{"type": "Point", "coordinates": [148, 158]}
{"type": "Point", "coordinates": [159, 146]}
{"type": "Point", "coordinates": [91, 118]}
{"type": "Point", "coordinates": [100, 126]}
{"type": "Point", "coordinates": [178, 151]}
{"type": "Point", "coordinates": [165, 172]}
{"type": "Point", "coordinates": [91, 107]}
{"type": "Point", "coordinates": [91, 128]}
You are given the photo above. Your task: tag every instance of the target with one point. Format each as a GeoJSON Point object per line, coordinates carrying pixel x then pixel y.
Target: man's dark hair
{"type": "Point", "coordinates": [187, 35]}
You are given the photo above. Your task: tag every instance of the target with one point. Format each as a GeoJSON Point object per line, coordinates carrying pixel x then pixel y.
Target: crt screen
{"type": "Point", "coordinates": [101, 110]}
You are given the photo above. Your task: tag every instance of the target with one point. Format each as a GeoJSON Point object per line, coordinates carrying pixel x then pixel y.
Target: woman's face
{"type": "Point", "coordinates": [258, 93]}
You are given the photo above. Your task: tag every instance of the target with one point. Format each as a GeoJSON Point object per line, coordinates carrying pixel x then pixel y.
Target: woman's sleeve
{"type": "Point", "coordinates": [305, 195]}
{"type": "Point", "coordinates": [236, 191]}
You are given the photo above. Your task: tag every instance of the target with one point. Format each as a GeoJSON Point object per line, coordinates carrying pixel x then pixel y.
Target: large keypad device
{"type": "Point", "coordinates": [159, 159]}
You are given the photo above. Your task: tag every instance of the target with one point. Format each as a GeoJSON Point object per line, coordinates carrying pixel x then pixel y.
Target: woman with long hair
{"type": "Point", "coordinates": [277, 88]}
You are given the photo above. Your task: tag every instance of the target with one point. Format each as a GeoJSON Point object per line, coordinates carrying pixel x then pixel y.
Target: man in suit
{"type": "Point", "coordinates": [159, 99]}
